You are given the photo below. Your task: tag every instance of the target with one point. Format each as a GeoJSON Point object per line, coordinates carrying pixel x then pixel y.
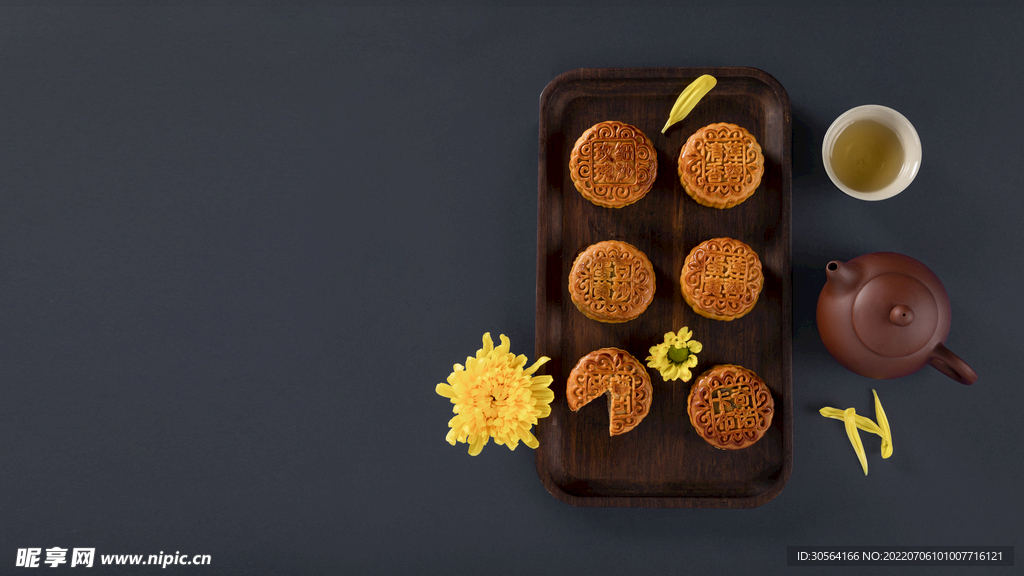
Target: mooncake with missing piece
{"type": "Point", "coordinates": [622, 377]}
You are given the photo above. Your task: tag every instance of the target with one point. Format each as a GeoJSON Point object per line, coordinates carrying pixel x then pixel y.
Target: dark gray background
{"type": "Point", "coordinates": [239, 246]}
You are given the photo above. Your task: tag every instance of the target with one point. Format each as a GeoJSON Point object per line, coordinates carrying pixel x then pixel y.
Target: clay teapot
{"type": "Point", "coordinates": [886, 315]}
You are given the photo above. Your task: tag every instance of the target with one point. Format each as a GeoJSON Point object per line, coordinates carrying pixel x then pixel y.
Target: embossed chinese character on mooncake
{"type": "Point", "coordinates": [722, 279]}
{"type": "Point", "coordinates": [613, 164]}
{"type": "Point", "coordinates": [730, 407]}
{"type": "Point", "coordinates": [611, 281]}
{"type": "Point", "coordinates": [622, 377]}
{"type": "Point", "coordinates": [721, 165]}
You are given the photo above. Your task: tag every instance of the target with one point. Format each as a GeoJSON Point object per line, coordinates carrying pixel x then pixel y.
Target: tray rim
{"type": "Point", "coordinates": [623, 74]}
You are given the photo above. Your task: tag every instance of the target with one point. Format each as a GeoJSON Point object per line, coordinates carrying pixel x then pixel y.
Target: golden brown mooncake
{"type": "Point", "coordinates": [613, 164]}
{"type": "Point", "coordinates": [721, 165]}
{"type": "Point", "coordinates": [611, 281]}
{"type": "Point", "coordinates": [620, 375]}
{"type": "Point", "coordinates": [721, 279]}
{"type": "Point", "coordinates": [730, 407]}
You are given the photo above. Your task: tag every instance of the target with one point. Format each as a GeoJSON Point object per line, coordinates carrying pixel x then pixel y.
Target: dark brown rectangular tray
{"type": "Point", "coordinates": [663, 462]}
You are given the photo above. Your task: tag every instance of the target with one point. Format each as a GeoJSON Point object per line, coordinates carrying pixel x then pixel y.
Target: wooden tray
{"type": "Point", "coordinates": [663, 462]}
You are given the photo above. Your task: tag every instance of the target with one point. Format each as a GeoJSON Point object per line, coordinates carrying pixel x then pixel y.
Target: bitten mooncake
{"type": "Point", "coordinates": [721, 279]}
{"type": "Point", "coordinates": [613, 164]}
{"type": "Point", "coordinates": [620, 375]}
{"type": "Point", "coordinates": [730, 407]}
{"type": "Point", "coordinates": [721, 165]}
{"type": "Point", "coordinates": [611, 281]}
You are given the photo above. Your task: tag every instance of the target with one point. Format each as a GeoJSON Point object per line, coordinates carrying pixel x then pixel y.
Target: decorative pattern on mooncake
{"type": "Point", "coordinates": [721, 165]}
{"type": "Point", "coordinates": [730, 407]}
{"type": "Point", "coordinates": [611, 281]}
{"type": "Point", "coordinates": [616, 373]}
{"type": "Point", "coordinates": [613, 164]}
{"type": "Point", "coordinates": [722, 279]}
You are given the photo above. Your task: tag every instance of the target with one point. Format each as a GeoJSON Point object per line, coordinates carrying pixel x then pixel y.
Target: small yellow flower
{"type": "Point", "coordinates": [495, 396]}
{"type": "Point", "coordinates": [675, 356]}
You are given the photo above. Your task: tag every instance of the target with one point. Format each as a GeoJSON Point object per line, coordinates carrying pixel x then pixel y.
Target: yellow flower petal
{"type": "Point", "coordinates": [540, 362]}
{"type": "Point", "coordinates": [850, 417]}
{"type": "Point", "coordinates": [528, 438]}
{"type": "Point", "coordinates": [544, 396]}
{"type": "Point", "coordinates": [477, 445]}
{"type": "Point", "coordinates": [540, 382]}
{"type": "Point", "coordinates": [883, 425]}
{"type": "Point", "coordinates": [864, 423]}
{"type": "Point", "coordinates": [689, 98]}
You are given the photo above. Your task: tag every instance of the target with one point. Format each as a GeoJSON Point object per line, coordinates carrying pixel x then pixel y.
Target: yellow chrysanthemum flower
{"type": "Point", "coordinates": [495, 396]}
{"type": "Point", "coordinates": [675, 356]}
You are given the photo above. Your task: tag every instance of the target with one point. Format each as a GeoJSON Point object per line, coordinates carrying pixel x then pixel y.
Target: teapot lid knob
{"type": "Point", "coordinates": [901, 315]}
{"type": "Point", "coordinates": [895, 315]}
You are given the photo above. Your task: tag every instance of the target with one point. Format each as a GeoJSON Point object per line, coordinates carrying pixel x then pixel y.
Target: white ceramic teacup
{"type": "Point", "coordinates": [903, 129]}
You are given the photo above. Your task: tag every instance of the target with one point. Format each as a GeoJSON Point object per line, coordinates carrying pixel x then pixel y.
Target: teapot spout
{"type": "Point", "coordinates": [844, 276]}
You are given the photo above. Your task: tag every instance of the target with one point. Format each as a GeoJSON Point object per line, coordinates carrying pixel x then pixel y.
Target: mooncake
{"type": "Point", "coordinates": [721, 165]}
{"type": "Point", "coordinates": [611, 281]}
{"type": "Point", "coordinates": [730, 407]}
{"type": "Point", "coordinates": [613, 164]}
{"type": "Point", "coordinates": [622, 377]}
{"type": "Point", "coordinates": [721, 279]}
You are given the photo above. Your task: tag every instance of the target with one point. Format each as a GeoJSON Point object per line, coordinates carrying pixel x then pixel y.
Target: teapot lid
{"type": "Point", "coordinates": [895, 315]}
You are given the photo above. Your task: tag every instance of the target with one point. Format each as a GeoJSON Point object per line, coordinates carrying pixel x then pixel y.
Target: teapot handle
{"type": "Point", "coordinates": [952, 365]}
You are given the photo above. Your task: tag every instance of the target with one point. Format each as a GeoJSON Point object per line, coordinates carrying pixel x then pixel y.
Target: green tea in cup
{"type": "Point", "coordinates": [867, 156]}
{"type": "Point", "coordinates": [871, 152]}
